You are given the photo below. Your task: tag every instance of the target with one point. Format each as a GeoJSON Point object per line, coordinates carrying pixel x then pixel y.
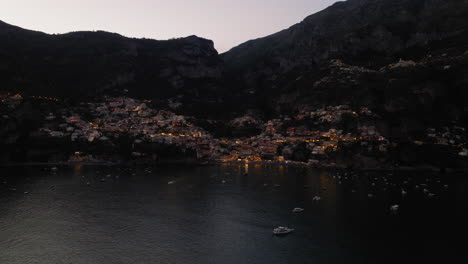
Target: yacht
{"type": "Point", "coordinates": [298, 210]}
{"type": "Point", "coordinates": [281, 230]}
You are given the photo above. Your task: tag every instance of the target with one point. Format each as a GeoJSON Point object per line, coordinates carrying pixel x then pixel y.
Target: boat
{"type": "Point", "coordinates": [281, 230]}
{"type": "Point", "coordinates": [394, 208]}
{"type": "Point", "coordinates": [298, 210]}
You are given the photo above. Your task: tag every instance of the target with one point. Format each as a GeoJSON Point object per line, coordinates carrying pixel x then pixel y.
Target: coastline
{"type": "Point", "coordinates": [213, 163]}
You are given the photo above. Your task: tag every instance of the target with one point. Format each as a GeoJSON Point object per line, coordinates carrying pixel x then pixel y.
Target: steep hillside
{"type": "Point", "coordinates": [365, 33]}
{"type": "Point", "coordinates": [94, 63]}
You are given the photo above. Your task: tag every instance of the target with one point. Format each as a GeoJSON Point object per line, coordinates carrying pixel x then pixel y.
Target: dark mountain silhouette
{"type": "Point", "coordinates": [341, 55]}
{"type": "Point", "coordinates": [80, 64]}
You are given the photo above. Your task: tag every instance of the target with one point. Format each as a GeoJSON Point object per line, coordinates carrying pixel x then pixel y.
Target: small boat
{"type": "Point", "coordinates": [394, 208]}
{"type": "Point", "coordinates": [281, 230]}
{"type": "Point", "coordinates": [171, 182]}
{"type": "Point", "coordinates": [298, 210]}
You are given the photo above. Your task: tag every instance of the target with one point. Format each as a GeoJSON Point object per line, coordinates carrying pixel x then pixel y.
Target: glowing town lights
{"type": "Point", "coordinates": [118, 115]}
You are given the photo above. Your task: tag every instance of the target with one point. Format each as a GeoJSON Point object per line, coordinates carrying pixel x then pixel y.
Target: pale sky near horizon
{"type": "Point", "coordinates": [227, 22]}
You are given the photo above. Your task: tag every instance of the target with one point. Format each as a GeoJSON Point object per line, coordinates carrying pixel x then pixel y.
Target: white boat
{"type": "Point", "coordinates": [298, 210]}
{"type": "Point", "coordinates": [281, 230]}
{"type": "Point", "coordinates": [394, 208]}
{"type": "Point", "coordinates": [171, 182]}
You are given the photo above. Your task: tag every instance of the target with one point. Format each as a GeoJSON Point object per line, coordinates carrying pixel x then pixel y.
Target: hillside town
{"type": "Point", "coordinates": [310, 137]}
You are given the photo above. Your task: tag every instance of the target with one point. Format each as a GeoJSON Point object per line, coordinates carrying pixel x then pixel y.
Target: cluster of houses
{"type": "Point", "coordinates": [10, 101]}
{"type": "Point", "coordinates": [108, 120]}
{"type": "Point", "coordinates": [317, 132]}
{"type": "Point", "coordinates": [450, 136]}
{"type": "Point", "coordinates": [278, 138]}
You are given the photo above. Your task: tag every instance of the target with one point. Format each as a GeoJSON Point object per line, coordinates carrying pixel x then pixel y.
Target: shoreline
{"type": "Point", "coordinates": [212, 163]}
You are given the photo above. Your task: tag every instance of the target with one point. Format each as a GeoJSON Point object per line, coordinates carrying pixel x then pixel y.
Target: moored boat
{"type": "Point", "coordinates": [281, 230]}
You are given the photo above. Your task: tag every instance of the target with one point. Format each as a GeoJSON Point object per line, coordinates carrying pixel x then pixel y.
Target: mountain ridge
{"type": "Point", "coordinates": [370, 34]}
{"type": "Point", "coordinates": [254, 75]}
{"type": "Point", "coordinates": [355, 15]}
{"type": "Point", "coordinates": [92, 63]}
{"type": "Point", "coordinates": [6, 26]}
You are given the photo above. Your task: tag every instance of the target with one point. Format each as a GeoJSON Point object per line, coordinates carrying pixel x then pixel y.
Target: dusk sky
{"type": "Point", "coordinates": [227, 22]}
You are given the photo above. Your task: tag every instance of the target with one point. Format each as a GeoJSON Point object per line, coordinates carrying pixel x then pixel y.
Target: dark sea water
{"type": "Point", "coordinates": [220, 214]}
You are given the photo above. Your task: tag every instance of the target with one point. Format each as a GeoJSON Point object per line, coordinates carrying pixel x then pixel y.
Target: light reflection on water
{"type": "Point", "coordinates": [225, 214]}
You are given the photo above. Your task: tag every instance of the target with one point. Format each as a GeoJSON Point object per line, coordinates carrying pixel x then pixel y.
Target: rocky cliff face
{"type": "Point", "coordinates": [82, 64]}
{"type": "Point", "coordinates": [371, 34]}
